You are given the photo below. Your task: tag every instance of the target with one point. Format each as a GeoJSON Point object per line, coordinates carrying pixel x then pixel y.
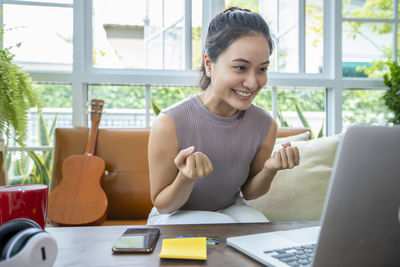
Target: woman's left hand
{"type": "Point", "coordinates": [285, 158]}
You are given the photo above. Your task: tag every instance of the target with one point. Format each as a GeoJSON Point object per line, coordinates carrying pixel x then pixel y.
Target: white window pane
{"type": "Point", "coordinates": [285, 32]}
{"type": "Point", "coordinates": [49, 1]}
{"type": "Point", "coordinates": [124, 106]}
{"type": "Point", "coordinates": [118, 32]}
{"type": "Point", "coordinates": [173, 57]}
{"type": "Point", "coordinates": [367, 9]}
{"type": "Point", "coordinates": [249, 4]}
{"type": "Point", "coordinates": [365, 107]}
{"type": "Point", "coordinates": [137, 34]}
{"type": "Point", "coordinates": [197, 12]}
{"type": "Point", "coordinates": [45, 34]}
{"type": "Point", "coordinates": [363, 44]}
{"type": "Point", "coordinates": [289, 51]}
{"type": "Point", "coordinates": [154, 22]}
{"type": "Point", "coordinates": [268, 10]}
{"type": "Point", "coordinates": [154, 53]}
{"type": "Point", "coordinates": [314, 36]}
{"type": "Point", "coordinates": [173, 11]}
{"type": "Point", "coordinates": [56, 100]}
{"type": "Point", "coordinates": [167, 96]}
{"type": "Point", "coordinates": [311, 106]}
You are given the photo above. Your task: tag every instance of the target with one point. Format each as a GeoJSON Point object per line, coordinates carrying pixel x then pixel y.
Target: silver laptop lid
{"type": "Point", "coordinates": [361, 224]}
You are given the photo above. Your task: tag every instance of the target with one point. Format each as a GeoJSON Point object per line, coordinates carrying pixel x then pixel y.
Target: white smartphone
{"type": "Point", "coordinates": [137, 240]}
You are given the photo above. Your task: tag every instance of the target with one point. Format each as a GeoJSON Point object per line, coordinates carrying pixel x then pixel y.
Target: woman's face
{"type": "Point", "coordinates": [238, 74]}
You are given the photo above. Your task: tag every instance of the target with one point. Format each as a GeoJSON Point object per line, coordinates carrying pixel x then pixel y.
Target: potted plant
{"type": "Point", "coordinates": [392, 94]}
{"type": "Point", "coordinates": [17, 96]}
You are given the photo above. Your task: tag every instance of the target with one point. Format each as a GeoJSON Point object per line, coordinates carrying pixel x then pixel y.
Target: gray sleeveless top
{"type": "Point", "coordinates": [230, 143]}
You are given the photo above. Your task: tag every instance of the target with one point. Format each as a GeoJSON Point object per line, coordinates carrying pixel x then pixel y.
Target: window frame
{"type": "Point", "coordinates": [84, 73]}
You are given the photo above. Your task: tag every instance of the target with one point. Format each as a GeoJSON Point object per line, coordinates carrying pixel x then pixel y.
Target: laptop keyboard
{"type": "Point", "coordinates": [295, 256]}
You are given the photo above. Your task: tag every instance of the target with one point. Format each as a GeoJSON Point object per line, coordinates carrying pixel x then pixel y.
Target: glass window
{"type": "Point", "coordinates": [173, 47]}
{"type": "Point", "coordinates": [367, 9]}
{"type": "Point", "coordinates": [302, 107]}
{"type": "Point", "coordinates": [124, 106]}
{"type": "Point", "coordinates": [164, 96]}
{"type": "Point", "coordinates": [374, 44]}
{"type": "Point", "coordinates": [364, 107]}
{"type": "Point", "coordinates": [45, 39]}
{"type": "Point", "coordinates": [398, 40]}
{"type": "Point", "coordinates": [118, 33]}
{"type": "Point", "coordinates": [314, 36]}
{"type": "Point", "coordinates": [282, 18]}
{"type": "Point", "coordinates": [48, 1]}
{"type": "Point", "coordinates": [264, 99]}
{"type": "Point", "coordinates": [56, 101]}
{"type": "Point", "coordinates": [22, 169]}
{"type": "Point", "coordinates": [197, 44]}
{"type": "Point", "coordinates": [253, 5]}
{"type": "Point", "coordinates": [138, 34]}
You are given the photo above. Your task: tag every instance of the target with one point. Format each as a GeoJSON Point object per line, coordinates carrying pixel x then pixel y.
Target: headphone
{"type": "Point", "coordinates": [24, 243]}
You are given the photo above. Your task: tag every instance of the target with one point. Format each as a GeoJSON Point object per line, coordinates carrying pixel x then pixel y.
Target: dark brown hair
{"type": "Point", "coordinates": [225, 28]}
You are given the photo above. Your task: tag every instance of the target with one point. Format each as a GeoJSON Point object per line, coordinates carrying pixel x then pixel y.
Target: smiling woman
{"type": "Point", "coordinates": [238, 75]}
{"type": "Point", "coordinates": [208, 152]}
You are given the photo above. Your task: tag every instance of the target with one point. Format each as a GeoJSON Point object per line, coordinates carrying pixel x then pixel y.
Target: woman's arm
{"type": "Point", "coordinates": [172, 172]}
{"type": "Point", "coordinates": [264, 166]}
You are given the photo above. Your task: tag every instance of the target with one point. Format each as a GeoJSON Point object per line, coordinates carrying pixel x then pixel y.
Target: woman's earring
{"type": "Point", "coordinates": [208, 73]}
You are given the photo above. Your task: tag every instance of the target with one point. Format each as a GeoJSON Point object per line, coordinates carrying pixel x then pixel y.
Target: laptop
{"type": "Point", "coordinates": [361, 217]}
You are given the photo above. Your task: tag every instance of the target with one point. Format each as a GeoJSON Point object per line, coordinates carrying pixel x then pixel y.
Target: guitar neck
{"type": "Point", "coordinates": [95, 117]}
{"type": "Point", "coordinates": [91, 144]}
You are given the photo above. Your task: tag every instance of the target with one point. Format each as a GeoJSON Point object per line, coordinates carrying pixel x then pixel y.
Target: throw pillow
{"type": "Point", "coordinates": [298, 137]}
{"type": "Point", "coordinates": [298, 194]}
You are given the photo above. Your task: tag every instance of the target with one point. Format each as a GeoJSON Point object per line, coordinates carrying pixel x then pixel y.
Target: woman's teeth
{"type": "Point", "coordinates": [241, 93]}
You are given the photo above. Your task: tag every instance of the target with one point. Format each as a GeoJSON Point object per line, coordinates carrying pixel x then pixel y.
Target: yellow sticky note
{"type": "Point", "coordinates": [194, 248]}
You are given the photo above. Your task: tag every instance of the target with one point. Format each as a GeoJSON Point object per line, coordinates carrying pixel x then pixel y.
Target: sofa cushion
{"type": "Point", "coordinates": [298, 137]}
{"type": "Point", "coordinates": [298, 194]}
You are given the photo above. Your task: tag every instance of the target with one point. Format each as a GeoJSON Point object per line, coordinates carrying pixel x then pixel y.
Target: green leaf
{"type": "Point", "coordinates": [44, 139]}
{"type": "Point", "coordinates": [48, 155]}
{"type": "Point", "coordinates": [302, 118]}
{"type": "Point", "coordinates": [282, 121]}
{"type": "Point", "coordinates": [15, 180]}
{"type": "Point", "coordinates": [156, 109]}
{"type": "Point", "coordinates": [44, 176]}
{"type": "Point", "coordinates": [321, 131]}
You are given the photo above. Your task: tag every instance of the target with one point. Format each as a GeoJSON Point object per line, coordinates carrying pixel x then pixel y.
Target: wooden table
{"type": "Point", "coordinates": [91, 246]}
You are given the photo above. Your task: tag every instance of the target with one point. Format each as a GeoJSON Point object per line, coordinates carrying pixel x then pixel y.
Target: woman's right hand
{"type": "Point", "coordinates": [193, 165]}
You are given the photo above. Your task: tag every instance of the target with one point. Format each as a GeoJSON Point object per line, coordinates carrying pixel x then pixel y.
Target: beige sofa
{"type": "Point", "coordinates": [296, 194]}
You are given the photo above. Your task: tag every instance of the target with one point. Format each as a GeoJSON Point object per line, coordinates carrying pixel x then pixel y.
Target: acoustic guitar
{"type": "Point", "coordinates": [79, 198]}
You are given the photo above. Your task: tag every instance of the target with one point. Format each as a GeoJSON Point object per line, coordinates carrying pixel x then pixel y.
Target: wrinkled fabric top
{"type": "Point", "coordinates": [230, 143]}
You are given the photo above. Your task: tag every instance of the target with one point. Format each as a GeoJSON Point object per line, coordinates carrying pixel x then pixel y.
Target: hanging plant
{"type": "Point", "coordinates": [17, 96]}
{"type": "Point", "coordinates": [392, 94]}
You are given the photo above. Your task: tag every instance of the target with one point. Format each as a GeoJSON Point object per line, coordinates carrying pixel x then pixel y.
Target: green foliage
{"type": "Point", "coordinates": [302, 118]}
{"type": "Point", "coordinates": [378, 9]}
{"type": "Point", "coordinates": [282, 121]}
{"type": "Point", "coordinates": [371, 9]}
{"type": "Point", "coordinates": [41, 170]}
{"type": "Point", "coordinates": [124, 97]}
{"type": "Point", "coordinates": [17, 96]}
{"type": "Point", "coordinates": [55, 96]}
{"type": "Point", "coordinates": [166, 96]}
{"type": "Point", "coordinates": [364, 107]}
{"type": "Point", "coordinates": [156, 108]}
{"type": "Point", "coordinates": [392, 95]}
